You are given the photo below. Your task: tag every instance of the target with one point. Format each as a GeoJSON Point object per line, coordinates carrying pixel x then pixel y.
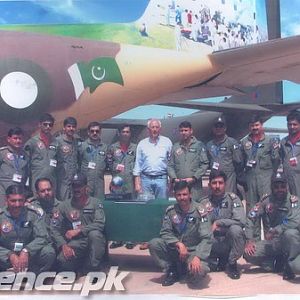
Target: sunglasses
{"type": "Point", "coordinates": [45, 124]}
{"type": "Point", "coordinates": [94, 130]}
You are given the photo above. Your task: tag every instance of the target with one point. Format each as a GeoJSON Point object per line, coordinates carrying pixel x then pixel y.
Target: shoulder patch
{"type": "Point", "coordinates": [38, 210]}
{"type": "Point", "coordinates": [294, 199]}
{"type": "Point", "coordinates": [204, 208]}
{"type": "Point", "coordinates": [264, 197]}
{"type": "Point", "coordinates": [232, 196]}
{"type": "Point", "coordinates": [29, 200]}
{"type": "Point", "coordinates": [169, 208]}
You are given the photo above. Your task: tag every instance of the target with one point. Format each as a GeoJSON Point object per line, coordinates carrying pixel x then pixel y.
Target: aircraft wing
{"type": "Point", "coordinates": [220, 107]}
{"type": "Point", "coordinates": [253, 65]}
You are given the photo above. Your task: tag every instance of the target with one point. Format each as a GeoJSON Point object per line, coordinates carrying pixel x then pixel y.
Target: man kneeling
{"type": "Point", "coordinates": [185, 240]}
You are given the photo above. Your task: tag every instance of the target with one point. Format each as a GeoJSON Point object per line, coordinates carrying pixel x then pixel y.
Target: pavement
{"type": "Point", "coordinates": [145, 278]}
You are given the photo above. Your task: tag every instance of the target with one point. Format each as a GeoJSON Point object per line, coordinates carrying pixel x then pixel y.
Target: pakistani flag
{"type": "Point", "coordinates": [93, 73]}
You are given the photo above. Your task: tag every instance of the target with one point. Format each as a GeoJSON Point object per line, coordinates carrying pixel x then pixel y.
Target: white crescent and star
{"type": "Point", "coordinates": [98, 69]}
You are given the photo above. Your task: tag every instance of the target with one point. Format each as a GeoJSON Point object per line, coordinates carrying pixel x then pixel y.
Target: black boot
{"type": "Point", "coordinates": [233, 272]}
{"type": "Point", "coordinates": [171, 277]}
{"type": "Point", "coordinates": [288, 274]}
{"type": "Point", "coordinates": [115, 244]}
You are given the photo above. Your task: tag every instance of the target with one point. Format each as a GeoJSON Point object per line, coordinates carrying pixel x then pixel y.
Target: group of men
{"type": "Point", "coordinates": [63, 223]}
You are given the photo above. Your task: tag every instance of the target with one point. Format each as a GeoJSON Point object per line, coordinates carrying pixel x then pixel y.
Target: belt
{"type": "Point", "coordinates": [154, 176]}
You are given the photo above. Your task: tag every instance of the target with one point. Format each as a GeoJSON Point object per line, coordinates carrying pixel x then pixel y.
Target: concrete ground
{"type": "Point", "coordinates": [145, 278]}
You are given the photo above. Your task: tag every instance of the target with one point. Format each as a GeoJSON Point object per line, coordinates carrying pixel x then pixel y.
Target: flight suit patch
{"type": "Point", "coordinates": [41, 145]}
{"type": "Point", "coordinates": [6, 227]}
{"type": "Point", "coordinates": [269, 208]}
{"type": "Point", "coordinates": [10, 156]}
{"type": "Point", "coordinates": [224, 205]}
{"type": "Point", "coordinates": [66, 149]}
{"type": "Point", "coordinates": [176, 219]}
{"type": "Point", "coordinates": [236, 204]}
{"type": "Point", "coordinates": [74, 215]}
{"type": "Point", "coordinates": [179, 151]}
{"type": "Point", "coordinates": [118, 152]}
{"type": "Point", "coordinates": [248, 145]}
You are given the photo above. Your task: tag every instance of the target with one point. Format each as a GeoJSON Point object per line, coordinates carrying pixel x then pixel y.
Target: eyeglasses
{"type": "Point", "coordinates": [45, 124]}
{"type": "Point", "coordinates": [94, 130]}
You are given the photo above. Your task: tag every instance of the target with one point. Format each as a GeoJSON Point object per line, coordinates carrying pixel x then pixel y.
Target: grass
{"type": "Point", "coordinates": [159, 36]}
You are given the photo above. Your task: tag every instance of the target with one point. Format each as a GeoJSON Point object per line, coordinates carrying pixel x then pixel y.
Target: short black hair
{"type": "Point", "coordinates": [70, 120]}
{"type": "Point", "coordinates": [121, 127]}
{"type": "Point", "coordinates": [217, 173]}
{"type": "Point", "coordinates": [185, 124]}
{"type": "Point", "coordinates": [37, 182]}
{"type": "Point", "coordinates": [94, 124]}
{"type": "Point", "coordinates": [293, 115]}
{"type": "Point", "coordinates": [180, 185]}
{"type": "Point", "coordinates": [14, 189]}
{"type": "Point", "coordinates": [255, 118]}
{"type": "Point", "coordinates": [15, 131]}
{"type": "Point", "coordinates": [46, 117]}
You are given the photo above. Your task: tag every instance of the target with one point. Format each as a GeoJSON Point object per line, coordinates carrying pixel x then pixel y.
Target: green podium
{"type": "Point", "coordinates": [134, 221]}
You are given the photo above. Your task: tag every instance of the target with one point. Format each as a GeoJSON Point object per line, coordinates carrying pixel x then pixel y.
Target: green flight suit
{"type": "Point", "coordinates": [226, 155]}
{"type": "Point", "coordinates": [229, 214]}
{"type": "Point", "coordinates": [89, 245]}
{"type": "Point", "coordinates": [49, 208]}
{"type": "Point", "coordinates": [117, 158]}
{"type": "Point", "coordinates": [42, 160]}
{"type": "Point", "coordinates": [67, 166]}
{"type": "Point", "coordinates": [290, 157]}
{"type": "Point", "coordinates": [28, 231]}
{"type": "Point", "coordinates": [277, 216]}
{"type": "Point", "coordinates": [187, 162]}
{"type": "Point", "coordinates": [93, 161]}
{"type": "Point", "coordinates": [192, 229]}
{"type": "Point", "coordinates": [13, 169]}
{"type": "Point", "coordinates": [261, 160]}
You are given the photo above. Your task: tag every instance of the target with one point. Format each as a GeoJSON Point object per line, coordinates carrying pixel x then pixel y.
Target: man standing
{"type": "Point", "coordinates": [227, 216]}
{"type": "Point", "coordinates": [121, 158]}
{"type": "Point", "coordinates": [185, 239]}
{"type": "Point", "coordinates": [224, 154]}
{"type": "Point", "coordinates": [150, 168]}
{"type": "Point", "coordinates": [188, 160]}
{"type": "Point", "coordinates": [93, 160]}
{"type": "Point", "coordinates": [13, 162]}
{"type": "Point", "coordinates": [261, 160]}
{"type": "Point", "coordinates": [23, 236]}
{"type": "Point", "coordinates": [67, 159]}
{"type": "Point", "coordinates": [41, 150]}
{"type": "Point", "coordinates": [290, 152]}
{"type": "Point", "coordinates": [77, 229]}
{"type": "Point", "coordinates": [280, 211]}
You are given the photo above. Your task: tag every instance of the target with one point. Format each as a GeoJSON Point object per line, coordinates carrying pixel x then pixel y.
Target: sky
{"type": "Point", "coordinates": [103, 11]}
{"type": "Point", "coordinates": [70, 11]}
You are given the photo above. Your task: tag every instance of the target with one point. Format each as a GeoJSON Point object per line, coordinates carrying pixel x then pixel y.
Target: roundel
{"type": "Point", "coordinates": [25, 90]}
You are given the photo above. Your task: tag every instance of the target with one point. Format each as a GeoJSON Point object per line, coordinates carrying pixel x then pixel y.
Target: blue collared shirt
{"type": "Point", "coordinates": [152, 158]}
